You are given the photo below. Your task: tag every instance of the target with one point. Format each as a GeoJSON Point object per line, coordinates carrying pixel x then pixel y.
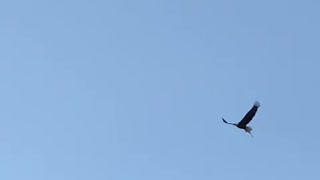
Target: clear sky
{"type": "Point", "coordinates": [135, 90]}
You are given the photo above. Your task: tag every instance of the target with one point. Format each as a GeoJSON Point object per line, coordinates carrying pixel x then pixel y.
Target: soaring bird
{"type": "Point", "coordinates": [246, 119]}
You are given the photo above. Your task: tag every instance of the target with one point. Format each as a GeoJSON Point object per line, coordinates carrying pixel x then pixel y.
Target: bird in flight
{"type": "Point", "coordinates": [246, 119]}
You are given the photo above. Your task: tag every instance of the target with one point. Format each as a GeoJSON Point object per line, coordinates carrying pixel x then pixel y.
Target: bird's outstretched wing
{"type": "Point", "coordinates": [226, 121]}
{"type": "Point", "coordinates": [250, 114]}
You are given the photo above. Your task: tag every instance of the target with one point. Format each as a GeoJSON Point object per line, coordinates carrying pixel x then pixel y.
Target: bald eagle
{"type": "Point", "coordinates": [246, 119]}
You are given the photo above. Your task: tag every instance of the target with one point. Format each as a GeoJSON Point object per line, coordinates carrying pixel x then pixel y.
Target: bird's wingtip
{"type": "Point", "coordinates": [224, 120]}
{"type": "Point", "coordinates": [257, 103]}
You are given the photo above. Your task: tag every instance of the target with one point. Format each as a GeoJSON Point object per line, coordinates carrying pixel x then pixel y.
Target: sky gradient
{"type": "Point", "coordinates": [135, 90]}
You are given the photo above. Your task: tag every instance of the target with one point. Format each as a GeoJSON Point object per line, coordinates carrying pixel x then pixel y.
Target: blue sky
{"type": "Point", "coordinates": [135, 90]}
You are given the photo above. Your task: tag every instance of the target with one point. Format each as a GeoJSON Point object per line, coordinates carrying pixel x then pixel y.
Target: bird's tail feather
{"type": "Point", "coordinates": [248, 129]}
